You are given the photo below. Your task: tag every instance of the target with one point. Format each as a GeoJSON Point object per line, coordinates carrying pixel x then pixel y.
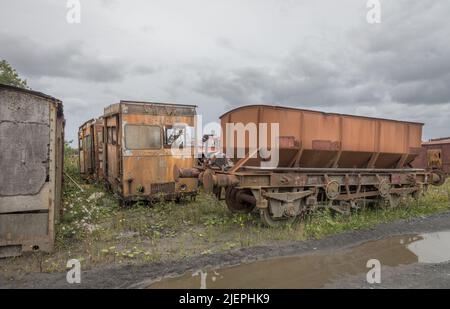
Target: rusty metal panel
{"type": "Point", "coordinates": [334, 140]}
{"type": "Point", "coordinates": [287, 142]}
{"type": "Point", "coordinates": [434, 158]}
{"type": "Point", "coordinates": [90, 136]}
{"type": "Point", "coordinates": [429, 155]}
{"type": "Point", "coordinates": [112, 109]}
{"type": "Point", "coordinates": [446, 158]}
{"type": "Point", "coordinates": [157, 109]}
{"type": "Point", "coordinates": [111, 147]}
{"type": "Point", "coordinates": [85, 148]}
{"type": "Point", "coordinates": [166, 187]}
{"type": "Point", "coordinates": [98, 148]}
{"type": "Point", "coordinates": [325, 145]}
{"type": "Point", "coordinates": [138, 162]}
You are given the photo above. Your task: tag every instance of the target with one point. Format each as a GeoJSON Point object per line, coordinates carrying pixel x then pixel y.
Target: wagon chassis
{"type": "Point", "coordinates": [282, 195]}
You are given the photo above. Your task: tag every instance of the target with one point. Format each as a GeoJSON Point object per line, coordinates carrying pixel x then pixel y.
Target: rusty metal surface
{"type": "Point", "coordinates": [90, 149]}
{"type": "Point", "coordinates": [283, 194]}
{"type": "Point", "coordinates": [276, 107]}
{"type": "Point", "coordinates": [150, 108]}
{"type": "Point", "coordinates": [434, 154]}
{"type": "Point", "coordinates": [98, 148]}
{"type": "Point", "coordinates": [86, 148]}
{"type": "Point", "coordinates": [144, 173]}
{"type": "Point", "coordinates": [333, 140]}
{"type": "Point", "coordinates": [337, 161]}
{"type": "Point", "coordinates": [334, 170]}
{"type": "Point", "coordinates": [31, 159]}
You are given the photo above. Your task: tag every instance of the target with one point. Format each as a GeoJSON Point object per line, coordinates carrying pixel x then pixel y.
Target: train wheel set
{"type": "Point", "coordinates": [284, 195]}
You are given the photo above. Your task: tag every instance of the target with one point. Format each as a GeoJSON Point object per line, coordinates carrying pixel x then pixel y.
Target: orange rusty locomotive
{"type": "Point", "coordinates": [130, 149]}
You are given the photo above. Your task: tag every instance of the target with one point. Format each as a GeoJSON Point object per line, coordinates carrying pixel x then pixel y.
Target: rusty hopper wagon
{"type": "Point", "coordinates": [332, 160]}
{"type": "Point", "coordinates": [90, 145]}
{"type": "Point", "coordinates": [138, 156]}
{"type": "Point", "coordinates": [31, 164]}
{"type": "Point", "coordinates": [435, 154]}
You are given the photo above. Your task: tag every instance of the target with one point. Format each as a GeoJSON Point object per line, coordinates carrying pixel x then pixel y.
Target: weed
{"type": "Point", "coordinates": [96, 230]}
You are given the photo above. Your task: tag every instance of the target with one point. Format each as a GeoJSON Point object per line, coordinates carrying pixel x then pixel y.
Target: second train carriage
{"type": "Point", "coordinates": [138, 157]}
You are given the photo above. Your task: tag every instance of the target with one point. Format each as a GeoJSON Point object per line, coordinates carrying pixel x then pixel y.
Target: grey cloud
{"type": "Point", "coordinates": [297, 81]}
{"type": "Point", "coordinates": [70, 60]}
{"type": "Point", "coordinates": [297, 53]}
{"type": "Point", "coordinates": [435, 91]}
{"type": "Point", "coordinates": [144, 69]}
{"type": "Point", "coordinates": [404, 60]}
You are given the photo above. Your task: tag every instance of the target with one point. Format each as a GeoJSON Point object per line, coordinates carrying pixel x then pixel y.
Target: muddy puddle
{"type": "Point", "coordinates": [319, 268]}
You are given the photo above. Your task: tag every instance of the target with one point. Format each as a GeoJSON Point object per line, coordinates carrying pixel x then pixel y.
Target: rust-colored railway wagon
{"type": "Point", "coordinates": [139, 161]}
{"type": "Point", "coordinates": [435, 154]}
{"type": "Point", "coordinates": [31, 165]}
{"type": "Point", "coordinates": [317, 139]}
{"type": "Point", "coordinates": [329, 160]}
{"type": "Point", "coordinates": [90, 145]}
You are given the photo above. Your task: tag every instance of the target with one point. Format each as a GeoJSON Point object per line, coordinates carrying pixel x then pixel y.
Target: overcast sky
{"type": "Point", "coordinates": [314, 54]}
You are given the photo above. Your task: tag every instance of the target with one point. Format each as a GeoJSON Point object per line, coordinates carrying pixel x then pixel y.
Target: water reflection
{"type": "Point", "coordinates": [317, 269]}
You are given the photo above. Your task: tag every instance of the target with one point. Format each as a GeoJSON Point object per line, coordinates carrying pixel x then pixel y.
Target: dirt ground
{"type": "Point", "coordinates": [138, 276]}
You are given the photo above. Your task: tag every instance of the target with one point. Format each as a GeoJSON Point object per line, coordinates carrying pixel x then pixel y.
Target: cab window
{"type": "Point", "coordinates": [174, 135]}
{"type": "Point", "coordinates": [178, 135]}
{"type": "Point", "coordinates": [142, 137]}
{"type": "Point", "coordinates": [111, 133]}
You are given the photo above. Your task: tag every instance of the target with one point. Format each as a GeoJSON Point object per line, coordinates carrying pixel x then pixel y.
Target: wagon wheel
{"type": "Point", "coordinates": [234, 204]}
{"type": "Point", "coordinates": [270, 221]}
{"type": "Point", "coordinates": [438, 177]}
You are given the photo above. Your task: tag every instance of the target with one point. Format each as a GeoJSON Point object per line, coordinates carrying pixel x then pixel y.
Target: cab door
{"type": "Point", "coordinates": [112, 147]}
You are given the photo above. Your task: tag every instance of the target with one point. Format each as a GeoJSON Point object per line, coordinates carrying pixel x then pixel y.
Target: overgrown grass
{"type": "Point", "coordinates": [81, 210]}
{"type": "Point", "coordinates": [324, 223]}
{"type": "Point", "coordinates": [94, 223]}
{"type": "Point", "coordinates": [95, 230]}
